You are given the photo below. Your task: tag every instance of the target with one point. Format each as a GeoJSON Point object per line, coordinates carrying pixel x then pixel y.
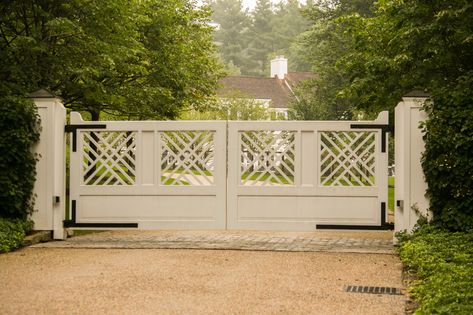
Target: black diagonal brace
{"type": "Point", "coordinates": [72, 223]}
{"type": "Point", "coordinates": [73, 129]}
{"type": "Point", "coordinates": [383, 226]}
{"type": "Point", "coordinates": [384, 129]}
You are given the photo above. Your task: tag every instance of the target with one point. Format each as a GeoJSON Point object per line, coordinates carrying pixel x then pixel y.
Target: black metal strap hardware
{"type": "Point", "coordinates": [383, 226]}
{"type": "Point", "coordinates": [72, 223]}
{"type": "Point", "coordinates": [384, 129]}
{"type": "Point", "coordinates": [73, 129]}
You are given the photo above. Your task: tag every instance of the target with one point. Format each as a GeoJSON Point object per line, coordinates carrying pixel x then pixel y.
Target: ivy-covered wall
{"type": "Point", "coordinates": [19, 130]}
{"type": "Point", "coordinates": [448, 157]}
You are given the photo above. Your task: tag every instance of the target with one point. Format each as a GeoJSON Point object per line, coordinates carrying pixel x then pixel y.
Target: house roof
{"type": "Point", "coordinates": [295, 77]}
{"type": "Point", "coordinates": [263, 88]}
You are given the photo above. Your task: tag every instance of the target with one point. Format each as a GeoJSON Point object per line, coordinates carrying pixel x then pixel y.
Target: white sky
{"type": "Point", "coordinates": [252, 3]}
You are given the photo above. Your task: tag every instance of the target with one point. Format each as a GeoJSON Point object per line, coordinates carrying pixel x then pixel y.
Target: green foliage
{"type": "Point", "coordinates": [448, 159]}
{"type": "Point", "coordinates": [18, 132]}
{"type": "Point", "coordinates": [368, 54]}
{"type": "Point", "coordinates": [232, 33]}
{"type": "Point", "coordinates": [248, 40]}
{"type": "Point", "coordinates": [234, 106]}
{"type": "Point", "coordinates": [443, 265]}
{"type": "Point", "coordinates": [262, 40]}
{"type": "Point", "coordinates": [139, 59]}
{"type": "Point", "coordinates": [12, 233]}
{"type": "Point", "coordinates": [326, 44]}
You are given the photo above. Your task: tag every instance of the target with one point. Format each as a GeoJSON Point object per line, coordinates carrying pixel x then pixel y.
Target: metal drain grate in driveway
{"type": "Point", "coordinates": [372, 290]}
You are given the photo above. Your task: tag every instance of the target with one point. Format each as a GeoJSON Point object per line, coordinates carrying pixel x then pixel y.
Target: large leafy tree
{"type": "Point", "coordinates": [142, 59]}
{"type": "Point", "coordinates": [398, 46]}
{"type": "Point", "coordinates": [324, 45]}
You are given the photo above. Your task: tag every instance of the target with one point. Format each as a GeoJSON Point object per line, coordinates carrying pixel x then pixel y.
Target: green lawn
{"type": "Point", "coordinates": [281, 179]}
{"type": "Point", "coordinates": [391, 193]}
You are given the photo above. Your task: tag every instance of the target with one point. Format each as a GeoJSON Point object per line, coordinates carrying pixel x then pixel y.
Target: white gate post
{"type": "Point", "coordinates": [50, 186]}
{"type": "Point", "coordinates": [410, 185]}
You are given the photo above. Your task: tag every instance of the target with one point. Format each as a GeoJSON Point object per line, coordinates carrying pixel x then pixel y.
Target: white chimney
{"type": "Point", "coordinates": [279, 67]}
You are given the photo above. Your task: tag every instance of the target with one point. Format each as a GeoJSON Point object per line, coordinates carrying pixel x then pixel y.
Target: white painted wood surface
{"type": "Point", "coordinates": [410, 186]}
{"type": "Point", "coordinates": [311, 198]}
{"type": "Point", "coordinates": [51, 166]}
{"type": "Point", "coordinates": [270, 175]}
{"type": "Point", "coordinates": [152, 195]}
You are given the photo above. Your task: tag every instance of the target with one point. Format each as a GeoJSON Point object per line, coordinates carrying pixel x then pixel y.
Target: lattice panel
{"type": "Point", "coordinates": [347, 158]}
{"type": "Point", "coordinates": [109, 157]}
{"type": "Point", "coordinates": [188, 158]}
{"type": "Point", "coordinates": [267, 158]}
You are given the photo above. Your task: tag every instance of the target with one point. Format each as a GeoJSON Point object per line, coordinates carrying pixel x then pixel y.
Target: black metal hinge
{"type": "Point", "coordinates": [384, 129]}
{"type": "Point", "coordinates": [73, 129]}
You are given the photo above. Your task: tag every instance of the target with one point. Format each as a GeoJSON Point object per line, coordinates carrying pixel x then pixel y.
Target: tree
{"type": "Point", "coordinates": [141, 59]}
{"type": "Point", "coordinates": [233, 106]}
{"type": "Point", "coordinates": [400, 46]}
{"type": "Point", "coordinates": [231, 33]}
{"type": "Point", "coordinates": [325, 44]}
{"type": "Point", "coordinates": [262, 40]}
{"type": "Point", "coordinates": [287, 24]}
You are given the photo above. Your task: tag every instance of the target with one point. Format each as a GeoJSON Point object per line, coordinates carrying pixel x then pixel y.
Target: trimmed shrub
{"type": "Point", "coordinates": [19, 130]}
{"type": "Point", "coordinates": [12, 233]}
{"type": "Point", "coordinates": [442, 262]}
{"type": "Point", "coordinates": [448, 156]}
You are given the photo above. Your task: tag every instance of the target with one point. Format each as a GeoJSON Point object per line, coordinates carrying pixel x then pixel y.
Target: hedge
{"type": "Point", "coordinates": [448, 157]}
{"type": "Point", "coordinates": [12, 233]}
{"type": "Point", "coordinates": [442, 263]}
{"type": "Point", "coordinates": [19, 131]}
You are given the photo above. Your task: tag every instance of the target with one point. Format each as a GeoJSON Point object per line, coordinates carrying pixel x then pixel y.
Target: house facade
{"type": "Point", "coordinates": [273, 92]}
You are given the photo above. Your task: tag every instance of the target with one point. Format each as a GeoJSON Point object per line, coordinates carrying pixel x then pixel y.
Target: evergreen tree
{"type": "Point", "coordinates": [288, 23]}
{"type": "Point", "coordinates": [262, 42]}
{"type": "Point", "coordinates": [231, 34]}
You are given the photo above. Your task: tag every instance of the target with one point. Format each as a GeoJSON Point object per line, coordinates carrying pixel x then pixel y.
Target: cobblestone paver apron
{"type": "Point", "coordinates": [228, 241]}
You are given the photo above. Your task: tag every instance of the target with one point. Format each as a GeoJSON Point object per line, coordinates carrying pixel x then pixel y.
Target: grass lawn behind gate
{"type": "Point", "coordinates": [391, 193]}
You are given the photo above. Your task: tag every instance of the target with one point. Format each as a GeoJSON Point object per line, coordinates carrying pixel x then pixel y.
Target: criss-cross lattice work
{"type": "Point", "coordinates": [347, 158]}
{"type": "Point", "coordinates": [267, 158]}
{"type": "Point", "coordinates": [187, 158]}
{"type": "Point", "coordinates": [109, 157]}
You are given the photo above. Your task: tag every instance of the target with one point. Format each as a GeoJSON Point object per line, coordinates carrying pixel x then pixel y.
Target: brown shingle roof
{"type": "Point", "coordinates": [295, 77]}
{"type": "Point", "coordinates": [263, 88]}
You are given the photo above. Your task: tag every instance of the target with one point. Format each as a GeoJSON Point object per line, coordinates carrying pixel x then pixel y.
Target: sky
{"type": "Point", "coordinates": [252, 3]}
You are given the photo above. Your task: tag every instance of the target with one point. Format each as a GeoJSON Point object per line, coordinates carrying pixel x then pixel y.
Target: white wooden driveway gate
{"type": "Point", "coordinates": [272, 175]}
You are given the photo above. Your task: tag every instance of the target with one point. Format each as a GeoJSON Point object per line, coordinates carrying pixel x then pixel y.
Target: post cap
{"type": "Point", "coordinates": [417, 93]}
{"type": "Point", "coordinates": [42, 93]}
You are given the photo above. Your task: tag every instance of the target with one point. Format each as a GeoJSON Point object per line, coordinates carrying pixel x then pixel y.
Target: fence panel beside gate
{"type": "Point", "coordinates": [287, 175]}
{"type": "Point", "coordinates": [147, 174]}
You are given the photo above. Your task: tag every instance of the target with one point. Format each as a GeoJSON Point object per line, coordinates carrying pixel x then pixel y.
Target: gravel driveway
{"type": "Point", "coordinates": [176, 281]}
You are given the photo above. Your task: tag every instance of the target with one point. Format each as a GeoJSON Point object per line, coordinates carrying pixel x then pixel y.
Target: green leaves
{"type": "Point", "coordinates": [447, 161]}
{"type": "Point", "coordinates": [443, 263]}
{"type": "Point", "coordinates": [18, 132]}
{"type": "Point", "coordinates": [106, 55]}
{"type": "Point", "coordinates": [248, 40]}
{"type": "Point", "coordinates": [12, 233]}
{"type": "Point", "coordinates": [366, 57]}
